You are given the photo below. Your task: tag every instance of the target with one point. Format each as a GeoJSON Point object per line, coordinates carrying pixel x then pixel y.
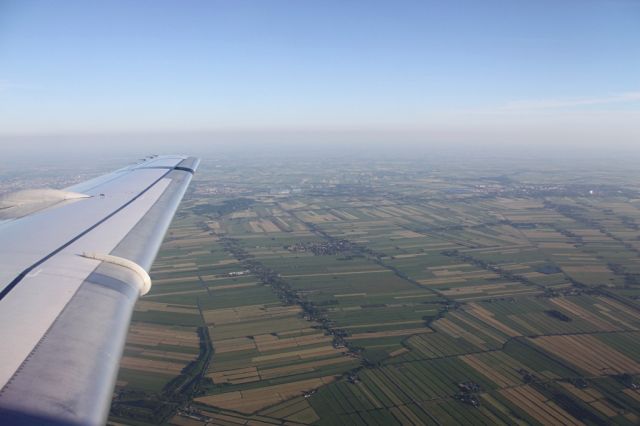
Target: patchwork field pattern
{"type": "Point", "coordinates": [391, 293]}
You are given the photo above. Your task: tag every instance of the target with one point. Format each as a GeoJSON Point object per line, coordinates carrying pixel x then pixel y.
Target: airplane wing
{"type": "Point", "coordinates": [72, 265]}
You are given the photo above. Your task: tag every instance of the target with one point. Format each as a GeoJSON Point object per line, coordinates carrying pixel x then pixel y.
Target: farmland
{"type": "Point", "coordinates": [391, 292]}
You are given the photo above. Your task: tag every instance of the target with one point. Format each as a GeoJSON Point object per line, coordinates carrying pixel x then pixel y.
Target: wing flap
{"type": "Point", "coordinates": [68, 315]}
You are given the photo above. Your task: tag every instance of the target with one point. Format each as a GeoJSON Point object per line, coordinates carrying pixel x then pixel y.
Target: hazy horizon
{"type": "Point", "coordinates": [122, 149]}
{"type": "Point", "coordinates": [464, 74]}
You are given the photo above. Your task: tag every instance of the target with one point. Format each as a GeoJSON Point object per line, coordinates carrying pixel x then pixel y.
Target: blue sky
{"type": "Point", "coordinates": [484, 69]}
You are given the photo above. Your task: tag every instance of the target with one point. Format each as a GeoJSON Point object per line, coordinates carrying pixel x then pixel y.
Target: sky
{"type": "Point", "coordinates": [512, 72]}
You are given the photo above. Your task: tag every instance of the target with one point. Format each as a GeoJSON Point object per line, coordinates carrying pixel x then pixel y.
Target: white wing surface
{"type": "Point", "coordinates": [72, 265]}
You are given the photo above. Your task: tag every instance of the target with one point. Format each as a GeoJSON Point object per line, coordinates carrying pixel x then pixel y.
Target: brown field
{"type": "Point", "coordinates": [145, 306]}
{"type": "Point", "coordinates": [145, 352]}
{"type": "Point", "coordinates": [350, 295]}
{"type": "Point", "coordinates": [584, 314]}
{"type": "Point", "coordinates": [174, 266]}
{"type": "Point", "coordinates": [225, 262]}
{"type": "Point", "coordinates": [538, 407]}
{"type": "Point", "coordinates": [343, 215]}
{"type": "Point", "coordinates": [214, 225]}
{"type": "Point", "coordinates": [316, 218]}
{"type": "Point", "coordinates": [297, 355]}
{"type": "Point", "coordinates": [409, 234]}
{"type": "Point", "coordinates": [307, 367]}
{"type": "Point", "coordinates": [292, 205]}
{"type": "Point", "coordinates": [257, 326]}
{"type": "Point", "coordinates": [172, 293]}
{"type": "Point", "coordinates": [269, 342]}
{"type": "Point", "coordinates": [152, 335]}
{"type": "Point", "coordinates": [399, 352]}
{"type": "Point", "coordinates": [233, 345]}
{"type": "Point", "coordinates": [268, 226]}
{"type": "Point", "coordinates": [255, 226]}
{"type": "Point", "coordinates": [605, 408]}
{"type": "Point", "coordinates": [487, 317]}
{"type": "Point", "coordinates": [446, 267]}
{"type": "Point", "coordinates": [475, 289]}
{"type": "Point", "coordinates": [179, 420]}
{"type": "Point", "coordinates": [589, 354]}
{"type": "Point", "coordinates": [390, 333]}
{"type": "Point", "coordinates": [352, 327]}
{"type": "Point", "coordinates": [308, 330]}
{"type": "Point", "coordinates": [589, 269]}
{"type": "Point", "coordinates": [247, 313]}
{"type": "Point", "coordinates": [591, 397]}
{"type": "Point", "coordinates": [557, 246]}
{"type": "Point", "coordinates": [620, 307]}
{"type": "Point", "coordinates": [339, 273]}
{"type": "Point", "coordinates": [633, 394]}
{"type": "Point", "coordinates": [243, 214]}
{"type": "Point", "coordinates": [151, 366]}
{"type": "Point", "coordinates": [249, 401]}
{"type": "Point", "coordinates": [519, 291]}
{"type": "Point", "coordinates": [582, 394]}
{"type": "Point", "coordinates": [196, 241]}
{"type": "Point", "coordinates": [236, 376]}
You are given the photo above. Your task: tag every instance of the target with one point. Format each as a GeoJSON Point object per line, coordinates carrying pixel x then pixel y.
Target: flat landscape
{"type": "Point", "coordinates": [392, 292]}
